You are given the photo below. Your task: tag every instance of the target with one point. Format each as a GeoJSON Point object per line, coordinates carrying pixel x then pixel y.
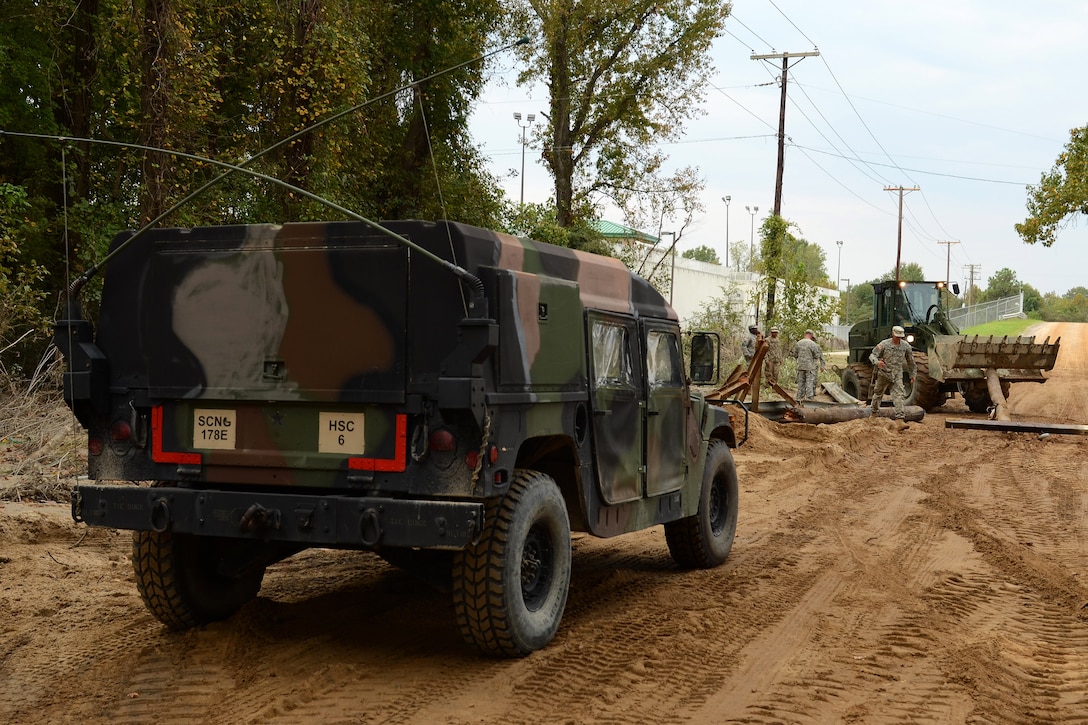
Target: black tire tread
{"type": "Point", "coordinates": [178, 586]}
{"type": "Point", "coordinates": [687, 538]}
{"type": "Point", "coordinates": [863, 372]}
{"type": "Point", "coordinates": [479, 596]}
{"type": "Point", "coordinates": [156, 579]}
{"type": "Point", "coordinates": [926, 393]}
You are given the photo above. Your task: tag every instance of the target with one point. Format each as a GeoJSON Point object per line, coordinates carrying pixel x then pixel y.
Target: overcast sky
{"type": "Point", "coordinates": [969, 100]}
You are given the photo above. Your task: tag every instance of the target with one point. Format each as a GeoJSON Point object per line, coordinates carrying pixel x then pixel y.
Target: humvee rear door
{"type": "Point", "coordinates": [616, 395]}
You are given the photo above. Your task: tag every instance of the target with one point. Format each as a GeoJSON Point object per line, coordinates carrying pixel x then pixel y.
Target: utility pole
{"type": "Point", "coordinates": [899, 243]}
{"type": "Point", "coordinates": [785, 58]}
{"type": "Point", "coordinates": [947, 297]}
{"type": "Point", "coordinates": [948, 259]}
{"type": "Point", "coordinates": [972, 270]}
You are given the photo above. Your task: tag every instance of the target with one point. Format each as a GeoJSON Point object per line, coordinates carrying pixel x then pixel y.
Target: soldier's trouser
{"type": "Point", "coordinates": [770, 370]}
{"type": "Point", "coordinates": [895, 382]}
{"type": "Point", "coordinates": [806, 384]}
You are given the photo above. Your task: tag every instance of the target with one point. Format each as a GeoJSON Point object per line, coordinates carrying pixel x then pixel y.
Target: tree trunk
{"type": "Point", "coordinates": [155, 88]}
{"type": "Point", "coordinates": [560, 157]}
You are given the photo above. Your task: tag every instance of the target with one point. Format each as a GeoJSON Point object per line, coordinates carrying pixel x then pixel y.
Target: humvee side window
{"type": "Point", "coordinates": [611, 362]}
{"type": "Point", "coordinates": [662, 360]}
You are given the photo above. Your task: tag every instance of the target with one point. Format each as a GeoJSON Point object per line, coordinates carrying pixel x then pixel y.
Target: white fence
{"type": "Point", "coordinates": [1001, 309]}
{"type": "Point", "coordinates": [963, 317]}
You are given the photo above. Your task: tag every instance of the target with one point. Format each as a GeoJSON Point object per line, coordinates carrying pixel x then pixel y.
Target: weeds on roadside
{"type": "Point", "coordinates": [42, 446]}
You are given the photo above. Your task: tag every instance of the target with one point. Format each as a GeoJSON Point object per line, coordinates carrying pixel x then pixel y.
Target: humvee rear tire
{"type": "Point", "coordinates": [185, 581]}
{"type": "Point", "coordinates": [510, 587]}
{"type": "Point", "coordinates": [925, 393]}
{"type": "Point", "coordinates": [704, 540]}
{"type": "Point", "coordinates": [857, 380]}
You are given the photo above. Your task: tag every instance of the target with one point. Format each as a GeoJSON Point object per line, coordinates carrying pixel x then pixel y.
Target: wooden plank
{"type": "Point", "coordinates": [1016, 426]}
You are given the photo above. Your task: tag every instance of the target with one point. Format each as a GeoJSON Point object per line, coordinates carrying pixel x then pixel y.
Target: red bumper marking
{"type": "Point", "coordinates": [158, 455]}
{"type": "Point", "coordinates": [397, 463]}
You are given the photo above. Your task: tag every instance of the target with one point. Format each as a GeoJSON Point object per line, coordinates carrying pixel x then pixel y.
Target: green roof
{"type": "Point", "coordinates": [612, 230]}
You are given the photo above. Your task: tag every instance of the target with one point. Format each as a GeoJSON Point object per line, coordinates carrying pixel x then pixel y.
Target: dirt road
{"type": "Point", "coordinates": [878, 576]}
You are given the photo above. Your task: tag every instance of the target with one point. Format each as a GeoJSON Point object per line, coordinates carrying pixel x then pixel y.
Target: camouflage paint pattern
{"type": "Point", "coordinates": [325, 357]}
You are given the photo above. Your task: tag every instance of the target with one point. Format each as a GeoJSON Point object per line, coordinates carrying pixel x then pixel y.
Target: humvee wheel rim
{"type": "Point", "coordinates": [716, 508]}
{"type": "Point", "coordinates": [536, 567]}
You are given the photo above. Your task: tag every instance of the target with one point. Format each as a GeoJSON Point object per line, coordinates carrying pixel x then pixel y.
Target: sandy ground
{"type": "Point", "coordinates": [879, 576]}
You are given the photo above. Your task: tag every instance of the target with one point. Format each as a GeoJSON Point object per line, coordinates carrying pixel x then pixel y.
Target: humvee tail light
{"type": "Point", "coordinates": [120, 431]}
{"type": "Point", "coordinates": [442, 440]}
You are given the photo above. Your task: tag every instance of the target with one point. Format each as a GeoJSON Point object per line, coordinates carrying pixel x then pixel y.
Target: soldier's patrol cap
{"type": "Point", "coordinates": [774, 329]}
{"type": "Point", "coordinates": [897, 331]}
{"type": "Point", "coordinates": [810, 332]}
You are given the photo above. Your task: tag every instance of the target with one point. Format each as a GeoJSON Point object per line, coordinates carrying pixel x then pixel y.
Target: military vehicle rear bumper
{"type": "Point", "coordinates": [342, 521]}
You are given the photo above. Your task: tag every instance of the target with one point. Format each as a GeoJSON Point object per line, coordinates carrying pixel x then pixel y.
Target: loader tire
{"type": "Point", "coordinates": [925, 393]}
{"type": "Point", "coordinates": [857, 380]}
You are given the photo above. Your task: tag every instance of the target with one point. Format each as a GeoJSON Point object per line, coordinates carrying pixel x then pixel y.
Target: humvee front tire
{"type": "Point", "coordinates": [510, 587]}
{"type": "Point", "coordinates": [187, 581]}
{"type": "Point", "coordinates": [704, 540]}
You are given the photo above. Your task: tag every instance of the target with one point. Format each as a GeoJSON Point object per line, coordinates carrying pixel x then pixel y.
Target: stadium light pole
{"type": "Point", "coordinates": [530, 118]}
{"type": "Point", "coordinates": [753, 210]}
{"type": "Point", "coordinates": [838, 269]}
{"type": "Point", "coordinates": [726, 200]}
{"type": "Point", "coordinates": [847, 313]}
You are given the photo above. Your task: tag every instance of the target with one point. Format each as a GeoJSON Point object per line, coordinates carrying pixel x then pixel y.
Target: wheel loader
{"type": "Point", "coordinates": [979, 368]}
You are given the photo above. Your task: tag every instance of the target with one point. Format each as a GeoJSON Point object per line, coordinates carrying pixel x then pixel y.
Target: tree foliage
{"type": "Point", "coordinates": [1061, 194]}
{"type": "Point", "coordinates": [788, 261]}
{"type": "Point", "coordinates": [1004, 283]}
{"type": "Point", "coordinates": [622, 76]}
{"type": "Point", "coordinates": [702, 253]}
{"type": "Point", "coordinates": [227, 81]}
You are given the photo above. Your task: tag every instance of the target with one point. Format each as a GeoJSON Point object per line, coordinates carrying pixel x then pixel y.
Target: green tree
{"type": "Point", "coordinates": [1004, 283]}
{"type": "Point", "coordinates": [702, 253]}
{"type": "Point", "coordinates": [861, 295]}
{"type": "Point", "coordinates": [723, 314]}
{"type": "Point", "coordinates": [615, 70]}
{"type": "Point", "coordinates": [786, 258]}
{"type": "Point", "coordinates": [1061, 194]}
{"type": "Point", "coordinates": [225, 81]}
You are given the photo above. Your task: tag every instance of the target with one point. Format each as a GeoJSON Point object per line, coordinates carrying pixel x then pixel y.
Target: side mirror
{"type": "Point", "coordinates": [955, 288]}
{"type": "Point", "coordinates": [705, 348]}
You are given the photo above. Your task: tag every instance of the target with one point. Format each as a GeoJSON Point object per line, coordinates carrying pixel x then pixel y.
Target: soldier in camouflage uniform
{"type": "Point", "coordinates": [748, 347]}
{"type": "Point", "coordinates": [809, 355]}
{"type": "Point", "coordinates": [774, 357]}
{"type": "Point", "coordinates": [889, 358]}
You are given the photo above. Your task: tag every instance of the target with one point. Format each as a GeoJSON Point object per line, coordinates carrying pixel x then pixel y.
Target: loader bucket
{"type": "Point", "coordinates": [1016, 359]}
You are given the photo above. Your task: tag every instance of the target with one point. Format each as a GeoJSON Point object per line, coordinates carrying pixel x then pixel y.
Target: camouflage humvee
{"type": "Point", "coordinates": [451, 398]}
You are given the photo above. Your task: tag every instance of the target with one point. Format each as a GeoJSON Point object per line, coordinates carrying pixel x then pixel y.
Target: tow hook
{"type": "Point", "coordinates": [257, 518]}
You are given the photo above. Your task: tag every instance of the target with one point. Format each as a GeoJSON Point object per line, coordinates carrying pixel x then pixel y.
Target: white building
{"type": "Point", "coordinates": [693, 283]}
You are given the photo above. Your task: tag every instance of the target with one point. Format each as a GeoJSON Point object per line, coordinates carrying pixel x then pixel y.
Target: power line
{"type": "Point", "coordinates": [919, 171]}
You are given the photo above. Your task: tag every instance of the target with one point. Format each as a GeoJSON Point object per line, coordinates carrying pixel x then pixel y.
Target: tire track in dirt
{"type": "Point", "coordinates": [879, 543]}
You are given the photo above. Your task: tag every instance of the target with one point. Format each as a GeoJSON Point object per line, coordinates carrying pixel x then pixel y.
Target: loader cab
{"type": "Point", "coordinates": [908, 303]}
